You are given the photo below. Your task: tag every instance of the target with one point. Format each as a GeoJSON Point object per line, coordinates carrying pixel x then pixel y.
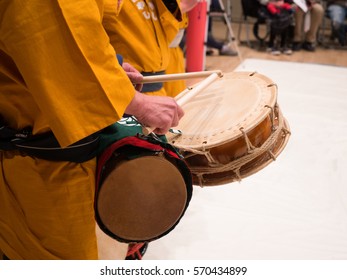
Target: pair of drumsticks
{"type": "Point", "coordinates": [187, 94]}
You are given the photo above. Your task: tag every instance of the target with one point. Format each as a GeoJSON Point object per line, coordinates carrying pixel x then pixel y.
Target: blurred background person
{"type": "Point", "coordinates": [305, 32]}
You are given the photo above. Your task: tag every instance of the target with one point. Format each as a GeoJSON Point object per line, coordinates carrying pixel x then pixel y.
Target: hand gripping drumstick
{"type": "Point", "coordinates": [189, 93]}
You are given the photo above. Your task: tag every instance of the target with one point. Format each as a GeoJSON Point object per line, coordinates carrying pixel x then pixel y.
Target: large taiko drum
{"type": "Point", "coordinates": [232, 129]}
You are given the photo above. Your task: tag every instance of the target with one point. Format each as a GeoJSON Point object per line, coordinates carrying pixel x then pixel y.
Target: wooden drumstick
{"type": "Point", "coordinates": [179, 76]}
{"type": "Point", "coordinates": [182, 99]}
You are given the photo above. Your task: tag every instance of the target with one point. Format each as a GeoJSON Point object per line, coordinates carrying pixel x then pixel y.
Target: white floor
{"type": "Point", "coordinates": [295, 208]}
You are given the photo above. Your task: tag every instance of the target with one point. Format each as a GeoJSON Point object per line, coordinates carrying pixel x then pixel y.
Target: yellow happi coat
{"type": "Point", "coordinates": [58, 72]}
{"type": "Point", "coordinates": [142, 32]}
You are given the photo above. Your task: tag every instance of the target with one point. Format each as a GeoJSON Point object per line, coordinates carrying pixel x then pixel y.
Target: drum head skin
{"type": "Point", "coordinates": [231, 129]}
{"type": "Point", "coordinates": [142, 198]}
{"type": "Point", "coordinates": [216, 114]}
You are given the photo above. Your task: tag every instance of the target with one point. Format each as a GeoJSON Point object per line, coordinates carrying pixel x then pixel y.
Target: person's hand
{"type": "Point", "coordinates": [159, 112]}
{"type": "Point", "coordinates": [134, 75]}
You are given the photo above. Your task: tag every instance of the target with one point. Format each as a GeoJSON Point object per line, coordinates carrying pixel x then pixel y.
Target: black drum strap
{"type": "Point", "coordinates": [46, 146]}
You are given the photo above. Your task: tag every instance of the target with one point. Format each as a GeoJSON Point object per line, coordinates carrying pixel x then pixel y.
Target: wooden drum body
{"type": "Point", "coordinates": [232, 129]}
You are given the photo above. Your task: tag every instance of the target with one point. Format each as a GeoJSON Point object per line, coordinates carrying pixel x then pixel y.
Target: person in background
{"type": "Point", "coordinates": [306, 39]}
{"type": "Point", "coordinates": [281, 19]}
{"type": "Point", "coordinates": [337, 12]}
{"type": "Point", "coordinates": [222, 47]}
{"type": "Point", "coordinates": [60, 78]}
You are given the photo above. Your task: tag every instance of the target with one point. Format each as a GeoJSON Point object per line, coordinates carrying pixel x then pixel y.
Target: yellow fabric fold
{"type": "Point", "coordinates": [77, 86]}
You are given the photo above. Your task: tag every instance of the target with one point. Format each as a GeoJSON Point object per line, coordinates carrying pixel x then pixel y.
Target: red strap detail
{"type": "Point", "coordinates": [134, 249]}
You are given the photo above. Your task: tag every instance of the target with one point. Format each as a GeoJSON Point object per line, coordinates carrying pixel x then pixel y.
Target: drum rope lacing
{"type": "Point", "coordinates": [252, 153]}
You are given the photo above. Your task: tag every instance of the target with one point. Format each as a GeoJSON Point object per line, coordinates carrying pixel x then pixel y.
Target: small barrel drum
{"type": "Point", "coordinates": [231, 129]}
{"type": "Point", "coordinates": [143, 186]}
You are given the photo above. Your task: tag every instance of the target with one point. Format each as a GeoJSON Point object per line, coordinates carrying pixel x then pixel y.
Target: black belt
{"type": "Point", "coordinates": [46, 146]}
{"type": "Point", "coordinates": [152, 86]}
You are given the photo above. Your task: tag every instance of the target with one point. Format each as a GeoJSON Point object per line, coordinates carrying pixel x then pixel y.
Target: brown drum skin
{"type": "Point", "coordinates": [142, 198]}
{"type": "Point", "coordinates": [142, 191]}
